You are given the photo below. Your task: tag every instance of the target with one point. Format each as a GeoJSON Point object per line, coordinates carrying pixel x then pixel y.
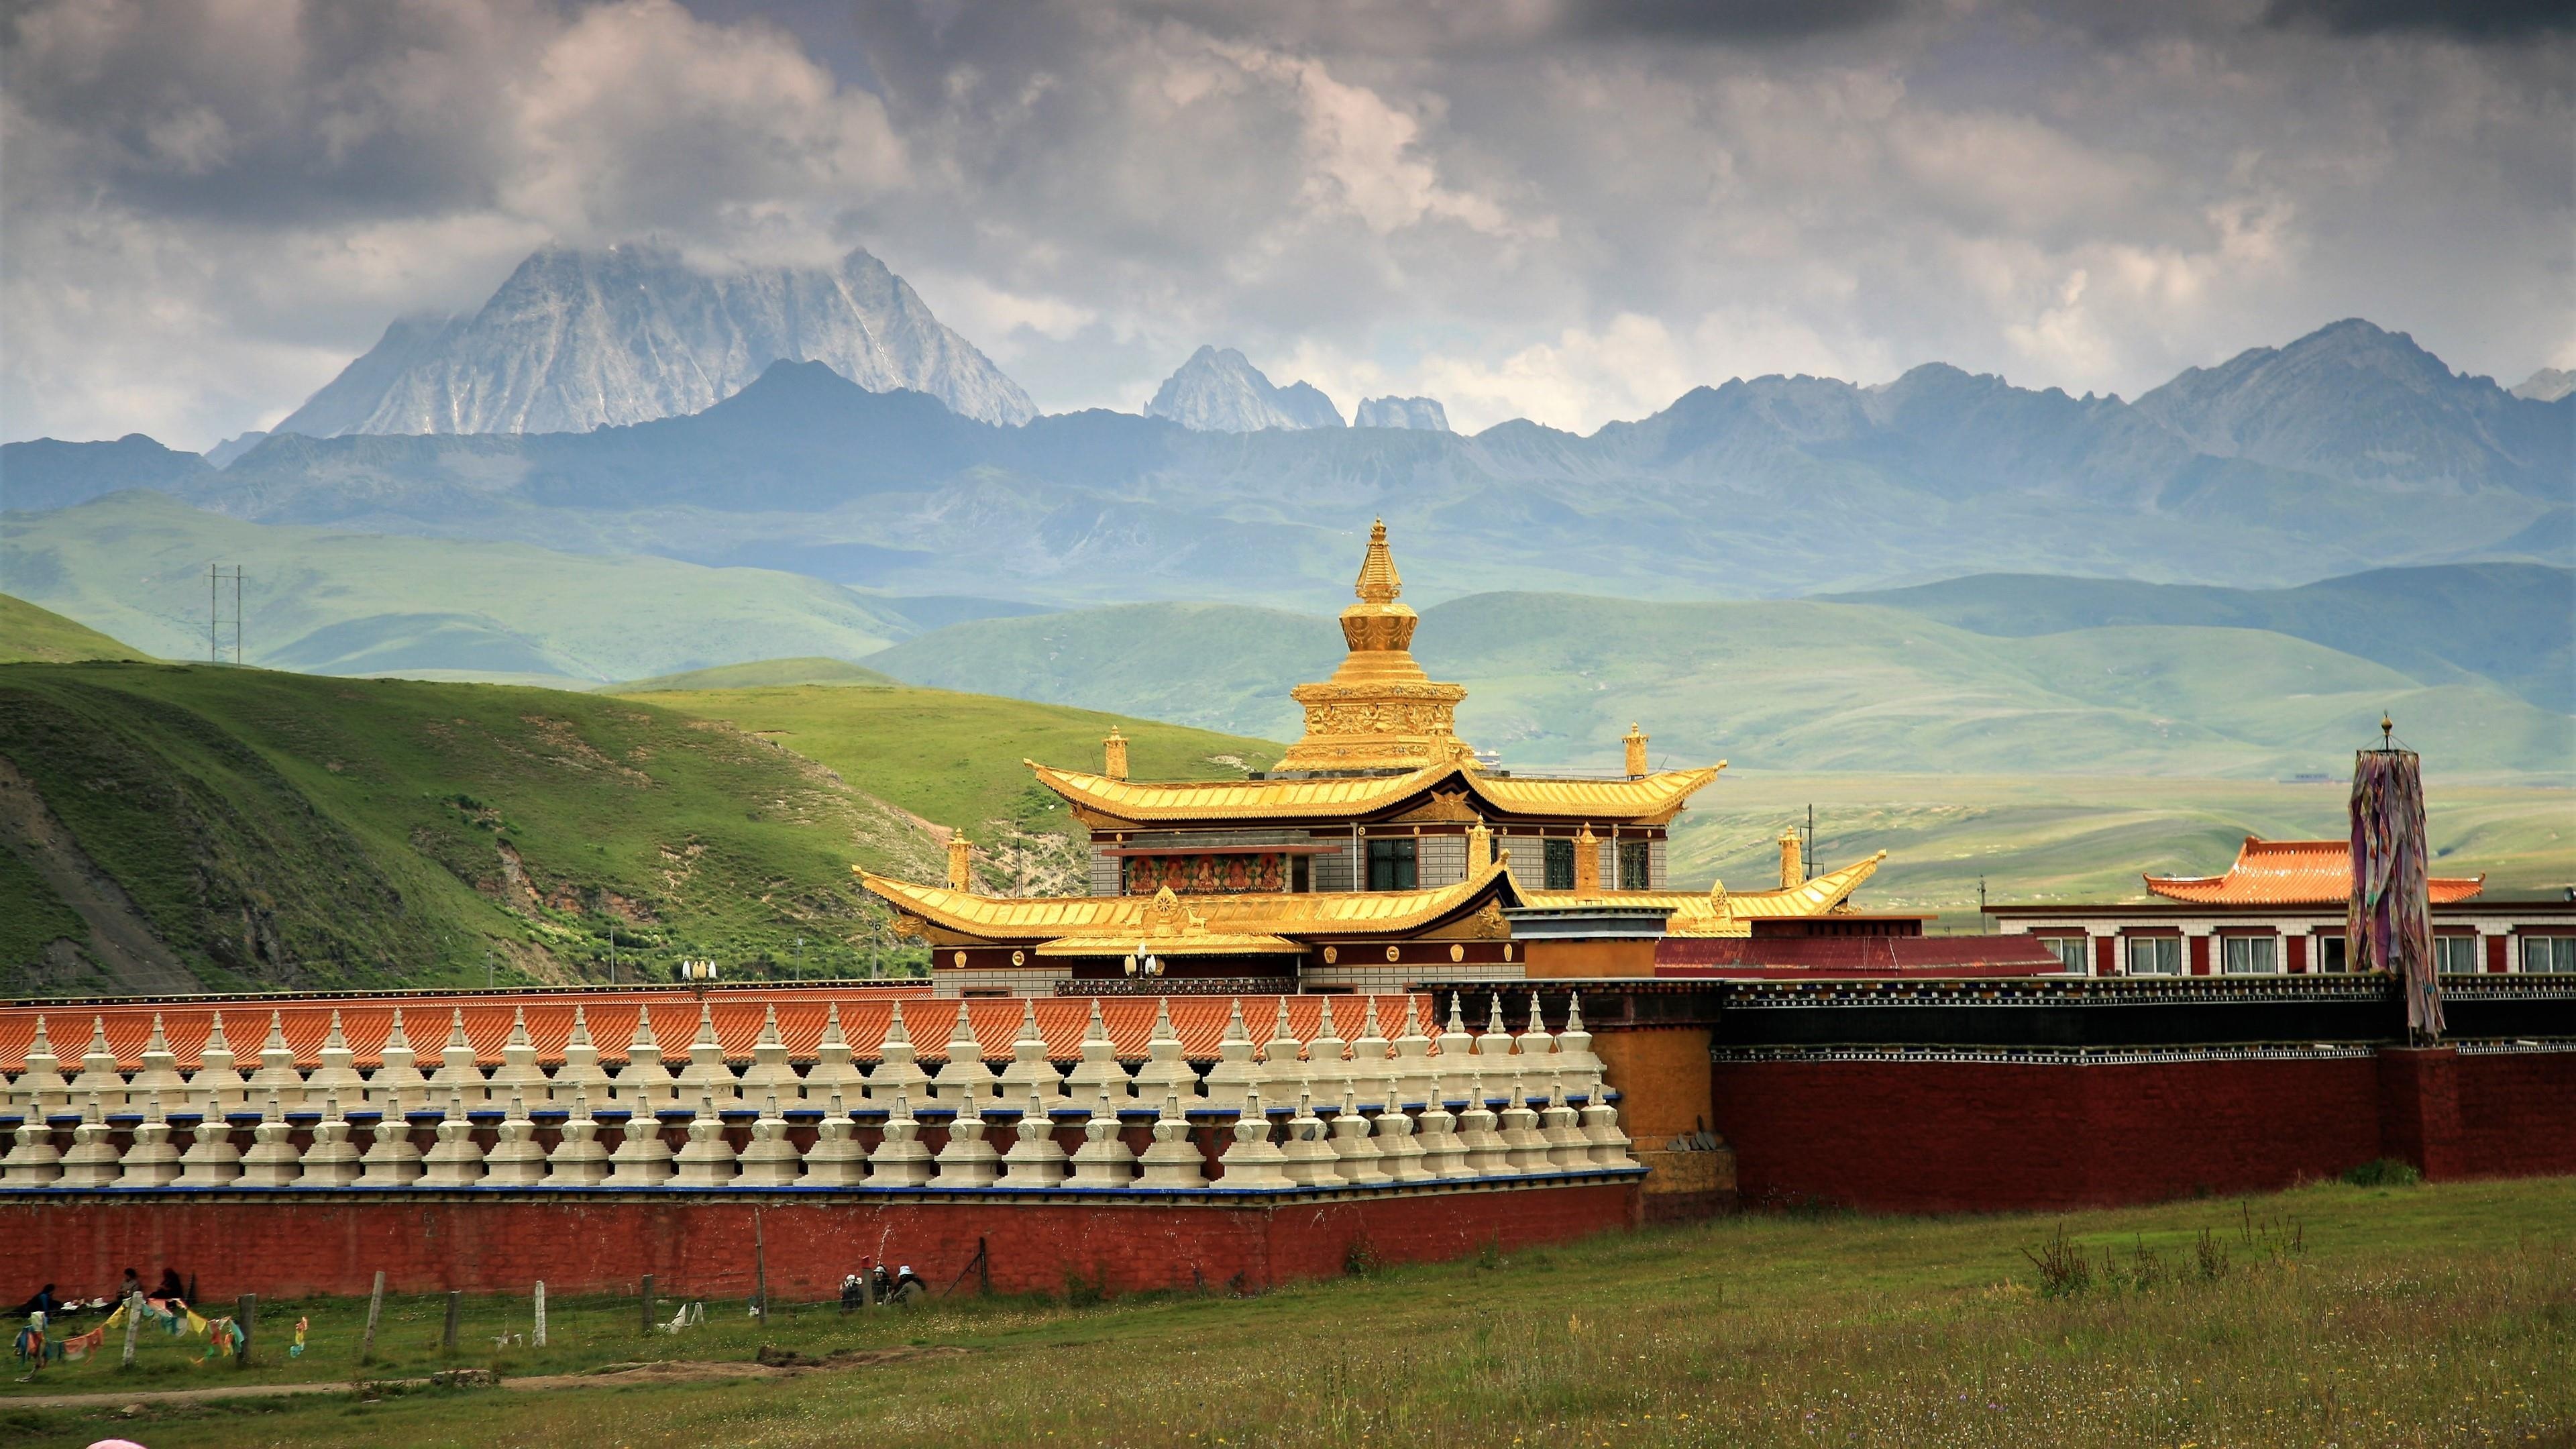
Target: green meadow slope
{"type": "Point", "coordinates": [249, 828]}
{"type": "Point", "coordinates": [166, 826]}
{"type": "Point", "coordinates": [1555, 679]}
{"type": "Point", "coordinates": [757, 674]}
{"type": "Point", "coordinates": [323, 602]}
{"type": "Point", "coordinates": [954, 759]}
{"type": "Point", "coordinates": [30, 635]}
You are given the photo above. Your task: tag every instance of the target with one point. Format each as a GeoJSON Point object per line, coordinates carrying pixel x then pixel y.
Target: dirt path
{"type": "Point", "coordinates": [616, 1375]}
{"type": "Point", "coordinates": [119, 936]}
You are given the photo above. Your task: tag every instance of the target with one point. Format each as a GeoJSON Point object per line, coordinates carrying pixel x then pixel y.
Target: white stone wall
{"type": "Point", "coordinates": [1375, 975]}
{"type": "Point", "coordinates": [1333, 872]}
{"type": "Point", "coordinates": [1440, 860]}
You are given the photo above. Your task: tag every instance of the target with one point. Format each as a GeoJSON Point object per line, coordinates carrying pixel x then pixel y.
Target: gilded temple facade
{"type": "Point", "coordinates": [1379, 849]}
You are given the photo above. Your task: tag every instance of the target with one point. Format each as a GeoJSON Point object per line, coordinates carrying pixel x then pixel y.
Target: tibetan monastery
{"type": "Point", "coordinates": [1378, 851]}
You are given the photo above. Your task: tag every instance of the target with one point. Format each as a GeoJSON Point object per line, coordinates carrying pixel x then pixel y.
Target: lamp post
{"type": "Point", "coordinates": [1144, 963]}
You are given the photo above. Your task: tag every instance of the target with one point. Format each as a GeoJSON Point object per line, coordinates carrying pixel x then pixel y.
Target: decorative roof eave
{"type": "Point", "coordinates": [1337, 914]}
{"type": "Point", "coordinates": [1098, 799]}
{"type": "Point", "coordinates": [1703, 914]}
{"type": "Point", "coordinates": [2291, 873]}
{"type": "Point", "coordinates": [1208, 945]}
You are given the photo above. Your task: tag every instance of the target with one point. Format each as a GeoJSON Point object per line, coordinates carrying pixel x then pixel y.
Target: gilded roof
{"type": "Point", "coordinates": [1729, 913]}
{"type": "Point", "coordinates": [2291, 873]}
{"type": "Point", "coordinates": [1147, 802]}
{"type": "Point", "coordinates": [1165, 916]}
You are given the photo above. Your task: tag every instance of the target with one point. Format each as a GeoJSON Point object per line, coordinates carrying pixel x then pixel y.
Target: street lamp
{"type": "Point", "coordinates": [1143, 963]}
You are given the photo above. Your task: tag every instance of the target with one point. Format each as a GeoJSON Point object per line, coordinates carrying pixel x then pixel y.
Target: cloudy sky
{"type": "Point", "coordinates": [1545, 208]}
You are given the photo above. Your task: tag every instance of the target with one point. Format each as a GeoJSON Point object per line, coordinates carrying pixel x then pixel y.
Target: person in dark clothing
{"type": "Point", "coordinates": [42, 1301]}
{"type": "Point", "coordinates": [132, 1285]}
{"type": "Point", "coordinates": [171, 1287]}
{"type": "Point", "coordinates": [908, 1287]}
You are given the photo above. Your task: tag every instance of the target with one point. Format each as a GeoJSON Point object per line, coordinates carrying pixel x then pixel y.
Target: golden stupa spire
{"type": "Point", "coordinates": [1379, 711]}
{"type": "Point", "coordinates": [1379, 583]}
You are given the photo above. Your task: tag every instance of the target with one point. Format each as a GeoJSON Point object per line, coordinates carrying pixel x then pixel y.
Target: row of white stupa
{"type": "Point", "coordinates": [1414, 1067]}
{"type": "Point", "coordinates": [1355, 1148]}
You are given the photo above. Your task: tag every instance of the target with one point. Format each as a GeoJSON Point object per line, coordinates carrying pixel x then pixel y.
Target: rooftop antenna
{"type": "Point", "coordinates": [1807, 858]}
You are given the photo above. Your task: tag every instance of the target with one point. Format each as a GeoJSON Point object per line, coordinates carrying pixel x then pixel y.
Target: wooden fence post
{"type": "Point", "coordinates": [245, 1316]}
{"type": "Point", "coordinates": [538, 1339]}
{"type": "Point", "coordinates": [375, 1311]}
{"type": "Point", "coordinates": [455, 1301]}
{"type": "Point", "coordinates": [760, 1264]}
{"type": "Point", "coordinates": [648, 1303]}
{"type": "Point", "coordinates": [133, 1321]}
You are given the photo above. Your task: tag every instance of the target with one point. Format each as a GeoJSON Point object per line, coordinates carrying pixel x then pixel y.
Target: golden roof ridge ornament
{"type": "Point", "coordinates": [1379, 711]}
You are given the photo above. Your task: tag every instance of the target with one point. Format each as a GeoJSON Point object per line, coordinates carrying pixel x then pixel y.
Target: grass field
{"type": "Point", "coordinates": [954, 759]}
{"type": "Point", "coordinates": [2333, 1314]}
{"type": "Point", "coordinates": [30, 635]}
{"type": "Point", "coordinates": [274, 829]}
{"type": "Point", "coordinates": [2044, 838]}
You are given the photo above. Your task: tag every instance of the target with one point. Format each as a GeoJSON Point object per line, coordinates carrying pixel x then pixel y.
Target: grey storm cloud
{"type": "Point", "coordinates": [1571, 210]}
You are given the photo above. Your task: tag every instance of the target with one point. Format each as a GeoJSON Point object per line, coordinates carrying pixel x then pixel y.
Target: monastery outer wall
{"type": "Point", "coordinates": [1988, 1134]}
{"type": "Point", "coordinates": [486, 1241]}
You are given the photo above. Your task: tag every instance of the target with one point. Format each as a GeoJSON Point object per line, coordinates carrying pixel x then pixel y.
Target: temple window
{"type": "Point", "coordinates": [2331, 956]}
{"type": "Point", "coordinates": [1391, 865]}
{"type": "Point", "coordinates": [2250, 955]}
{"type": "Point", "coordinates": [1301, 874]}
{"type": "Point", "coordinates": [1636, 866]}
{"type": "Point", "coordinates": [2155, 955]}
{"type": "Point", "coordinates": [2070, 951]}
{"type": "Point", "coordinates": [2546, 954]}
{"type": "Point", "coordinates": [1560, 864]}
{"type": "Point", "coordinates": [2455, 955]}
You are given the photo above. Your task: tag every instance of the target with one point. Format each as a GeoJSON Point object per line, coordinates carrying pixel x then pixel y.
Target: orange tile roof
{"type": "Point", "coordinates": [1199, 1021]}
{"type": "Point", "coordinates": [2291, 873]}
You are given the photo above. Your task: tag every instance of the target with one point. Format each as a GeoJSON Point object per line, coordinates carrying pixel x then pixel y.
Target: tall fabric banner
{"type": "Point", "coordinates": [2389, 924]}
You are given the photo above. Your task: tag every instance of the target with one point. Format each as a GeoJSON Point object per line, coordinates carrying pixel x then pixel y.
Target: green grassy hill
{"type": "Point", "coordinates": [30, 635]}
{"type": "Point", "coordinates": [166, 826]}
{"type": "Point", "coordinates": [1555, 679]}
{"type": "Point", "coordinates": [2042, 838]}
{"type": "Point", "coordinates": [321, 602]}
{"type": "Point", "coordinates": [954, 759]}
{"type": "Point", "coordinates": [758, 674]}
{"type": "Point", "coordinates": [2507, 622]}
{"type": "Point", "coordinates": [252, 828]}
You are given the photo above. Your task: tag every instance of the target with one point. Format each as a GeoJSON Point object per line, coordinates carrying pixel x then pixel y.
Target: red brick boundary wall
{"type": "Point", "coordinates": [284, 1243]}
{"type": "Point", "coordinates": [1991, 1133]}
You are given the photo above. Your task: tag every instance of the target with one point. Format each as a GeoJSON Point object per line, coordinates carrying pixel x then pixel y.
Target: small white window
{"type": "Point", "coordinates": [2331, 955]}
{"type": "Point", "coordinates": [2251, 955]}
{"type": "Point", "coordinates": [2155, 955]}
{"type": "Point", "coordinates": [2072, 952]}
{"type": "Point", "coordinates": [2455, 955]}
{"type": "Point", "coordinates": [2549, 954]}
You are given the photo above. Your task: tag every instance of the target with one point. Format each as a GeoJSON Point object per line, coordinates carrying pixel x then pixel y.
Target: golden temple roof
{"type": "Point", "coordinates": [1645, 797]}
{"type": "Point", "coordinates": [1164, 916]}
{"type": "Point", "coordinates": [1379, 711]}
{"type": "Point", "coordinates": [1718, 912]}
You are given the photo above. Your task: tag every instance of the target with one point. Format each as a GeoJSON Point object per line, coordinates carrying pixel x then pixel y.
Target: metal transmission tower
{"type": "Point", "coordinates": [216, 577]}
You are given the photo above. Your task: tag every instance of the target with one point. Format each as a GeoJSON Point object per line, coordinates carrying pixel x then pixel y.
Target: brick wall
{"type": "Point", "coordinates": [1945, 1135]}
{"type": "Point", "coordinates": [490, 1242]}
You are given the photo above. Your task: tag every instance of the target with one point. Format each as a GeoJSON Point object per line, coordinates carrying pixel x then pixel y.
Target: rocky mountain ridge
{"type": "Point", "coordinates": [579, 339]}
{"type": "Point", "coordinates": [1220, 391]}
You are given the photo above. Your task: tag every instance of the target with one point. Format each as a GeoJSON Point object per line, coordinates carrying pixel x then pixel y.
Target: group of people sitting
{"type": "Point", "coordinates": [873, 1286]}
{"type": "Point", "coordinates": [54, 1306]}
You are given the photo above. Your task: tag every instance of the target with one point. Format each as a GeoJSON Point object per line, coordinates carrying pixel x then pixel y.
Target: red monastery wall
{"type": "Point", "coordinates": [493, 1242]}
{"type": "Point", "coordinates": [1952, 1135]}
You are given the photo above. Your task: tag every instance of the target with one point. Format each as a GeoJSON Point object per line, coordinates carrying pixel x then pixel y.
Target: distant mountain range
{"type": "Point", "coordinates": [1990, 675]}
{"type": "Point", "coordinates": [1222, 392]}
{"type": "Point", "coordinates": [2349, 449]}
{"type": "Point", "coordinates": [576, 340]}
